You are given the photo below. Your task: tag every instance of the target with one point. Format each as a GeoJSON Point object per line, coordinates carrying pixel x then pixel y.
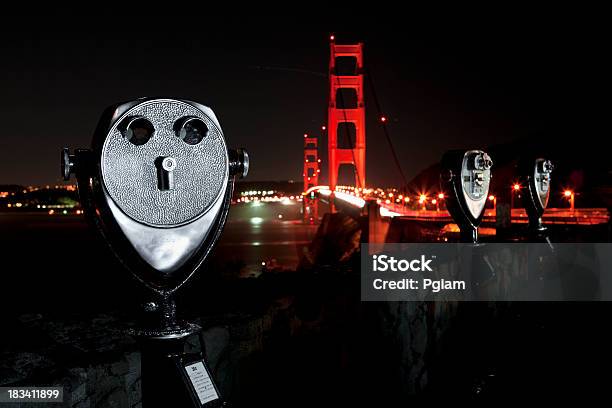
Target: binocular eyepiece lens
{"type": "Point", "coordinates": [138, 130]}
{"type": "Point", "coordinates": [546, 166]}
{"type": "Point", "coordinates": [191, 130]}
{"type": "Point", "coordinates": [483, 162]}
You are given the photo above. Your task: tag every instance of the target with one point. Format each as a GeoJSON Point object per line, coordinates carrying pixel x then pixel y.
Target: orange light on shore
{"type": "Point", "coordinates": [516, 187]}
{"type": "Point", "coordinates": [407, 199]}
{"type": "Point", "coordinates": [569, 194]}
{"type": "Point", "coordinates": [491, 198]}
{"type": "Point", "coordinates": [422, 198]}
{"type": "Point", "coordinates": [441, 196]}
{"type": "Point", "coordinates": [434, 201]}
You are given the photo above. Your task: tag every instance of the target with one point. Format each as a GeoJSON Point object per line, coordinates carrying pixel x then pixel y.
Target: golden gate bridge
{"type": "Point", "coordinates": [393, 202]}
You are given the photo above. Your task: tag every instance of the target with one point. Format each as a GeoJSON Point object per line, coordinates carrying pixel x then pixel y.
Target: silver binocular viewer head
{"type": "Point", "coordinates": [465, 179]}
{"type": "Point", "coordinates": [535, 173]}
{"type": "Point", "coordinates": [158, 182]}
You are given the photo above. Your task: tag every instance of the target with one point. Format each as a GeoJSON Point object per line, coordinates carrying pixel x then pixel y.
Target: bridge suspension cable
{"type": "Point", "coordinates": [383, 122]}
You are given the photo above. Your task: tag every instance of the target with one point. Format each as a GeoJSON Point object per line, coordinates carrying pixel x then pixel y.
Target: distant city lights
{"type": "Point", "coordinates": [270, 196]}
{"type": "Point", "coordinates": [394, 200]}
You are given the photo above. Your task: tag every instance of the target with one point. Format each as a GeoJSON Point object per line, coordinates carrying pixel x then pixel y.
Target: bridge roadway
{"type": "Point", "coordinates": [578, 216]}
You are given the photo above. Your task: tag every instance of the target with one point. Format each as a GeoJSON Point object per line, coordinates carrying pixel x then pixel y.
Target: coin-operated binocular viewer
{"type": "Point", "coordinates": [465, 178]}
{"type": "Point", "coordinates": [535, 174]}
{"type": "Point", "coordinates": [158, 182]}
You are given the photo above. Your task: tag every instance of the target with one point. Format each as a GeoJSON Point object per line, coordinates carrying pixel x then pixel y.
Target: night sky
{"type": "Point", "coordinates": [441, 84]}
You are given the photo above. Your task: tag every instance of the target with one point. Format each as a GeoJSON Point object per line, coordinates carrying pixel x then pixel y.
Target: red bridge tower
{"type": "Point", "coordinates": [340, 117]}
{"type": "Point", "coordinates": [312, 170]}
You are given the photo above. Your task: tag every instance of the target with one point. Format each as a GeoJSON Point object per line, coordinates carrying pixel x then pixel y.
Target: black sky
{"type": "Point", "coordinates": [442, 84]}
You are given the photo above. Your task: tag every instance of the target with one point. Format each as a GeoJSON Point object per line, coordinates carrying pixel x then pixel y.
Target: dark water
{"type": "Point", "coordinates": [58, 262]}
{"type": "Point", "coordinates": [265, 232]}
